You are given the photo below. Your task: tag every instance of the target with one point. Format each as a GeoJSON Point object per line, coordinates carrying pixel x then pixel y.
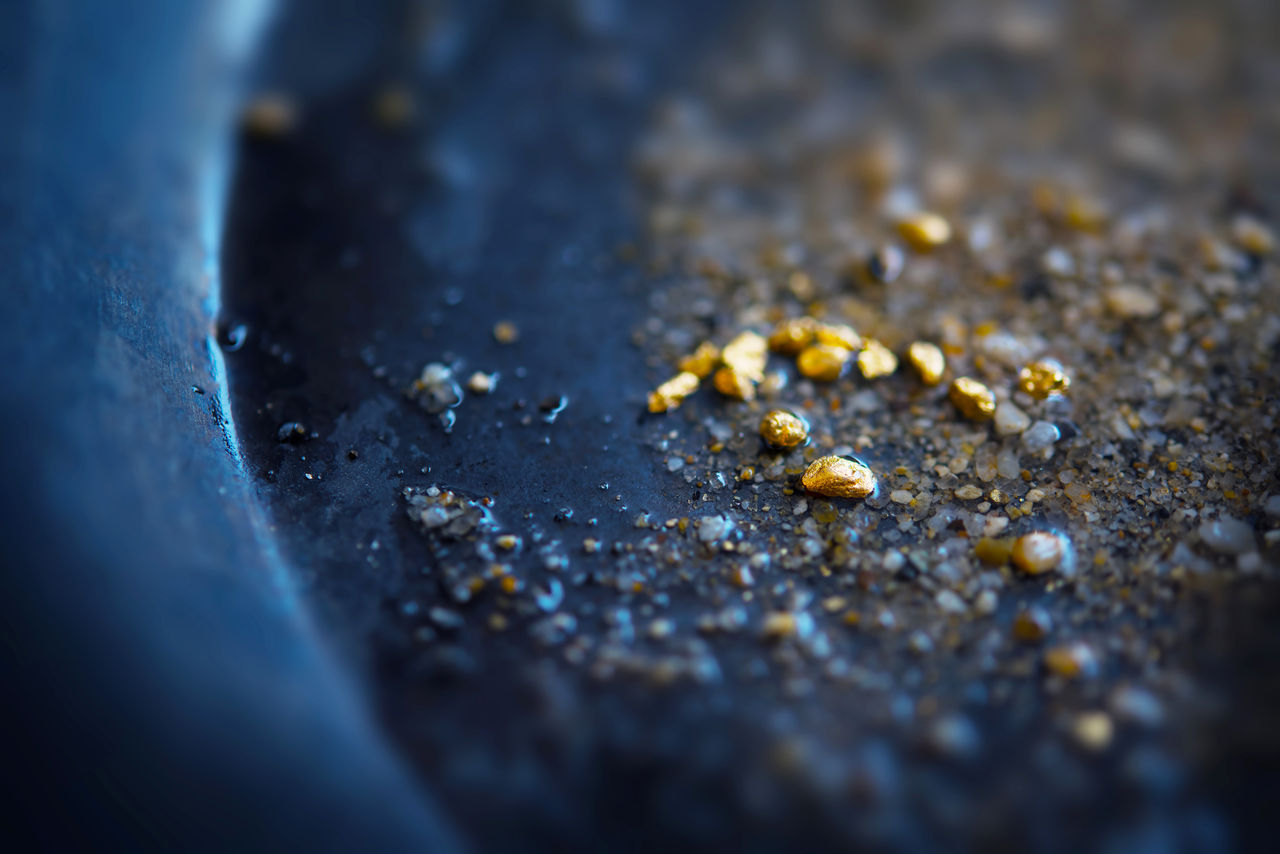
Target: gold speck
{"type": "Point", "coordinates": [730, 383]}
{"type": "Point", "coordinates": [505, 332]}
{"type": "Point", "coordinates": [671, 393]}
{"type": "Point", "coordinates": [992, 552]}
{"type": "Point", "coordinates": [702, 361]}
{"type": "Point", "coordinates": [822, 362]}
{"type": "Point", "coordinates": [838, 477]}
{"type": "Point", "coordinates": [1038, 552]}
{"type": "Point", "coordinates": [792, 335]}
{"type": "Point", "coordinates": [1093, 730]}
{"type": "Point", "coordinates": [393, 107]}
{"type": "Point", "coordinates": [974, 400]}
{"type": "Point", "coordinates": [783, 429]}
{"type": "Point", "coordinates": [1072, 660]}
{"type": "Point", "coordinates": [269, 117]}
{"type": "Point", "coordinates": [924, 232]}
{"type": "Point", "coordinates": [876, 360]}
{"type": "Point", "coordinates": [779, 625]}
{"type": "Point", "coordinates": [1043, 378]}
{"type": "Point", "coordinates": [1252, 236]}
{"type": "Point", "coordinates": [1032, 625]}
{"type": "Point", "coordinates": [747, 355]}
{"type": "Point", "coordinates": [928, 361]}
{"type": "Point", "coordinates": [481, 383]}
{"type": "Point", "coordinates": [1084, 214]}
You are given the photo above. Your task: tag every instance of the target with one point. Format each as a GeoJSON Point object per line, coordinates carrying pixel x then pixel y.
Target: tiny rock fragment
{"type": "Point", "coordinates": [1010, 420]}
{"type": "Point", "coordinates": [1131, 302]}
{"type": "Point", "coordinates": [839, 477]}
{"type": "Point", "coordinates": [822, 362]}
{"type": "Point", "coordinates": [1252, 236]}
{"type": "Point", "coordinates": [928, 361]}
{"type": "Point", "coordinates": [482, 383]}
{"type": "Point", "coordinates": [1032, 625]}
{"type": "Point", "coordinates": [885, 264]}
{"type": "Point", "coordinates": [730, 383]}
{"type": "Point", "coordinates": [393, 107]}
{"type": "Point", "coordinates": [269, 117]}
{"type": "Point", "coordinates": [876, 360]}
{"type": "Point", "coordinates": [974, 400]}
{"type": "Point", "coordinates": [671, 393]}
{"type": "Point", "coordinates": [991, 551]}
{"type": "Point", "coordinates": [747, 354]}
{"type": "Point", "coordinates": [779, 625]}
{"type": "Point", "coordinates": [924, 232]}
{"type": "Point", "coordinates": [783, 429]}
{"type": "Point", "coordinates": [505, 332]}
{"type": "Point", "coordinates": [792, 335]}
{"type": "Point", "coordinates": [1073, 660]}
{"type": "Point", "coordinates": [1093, 730]}
{"type": "Point", "coordinates": [1038, 552]}
{"type": "Point", "coordinates": [838, 335]}
{"type": "Point", "coordinates": [1084, 214]}
{"type": "Point", "coordinates": [702, 361]}
{"type": "Point", "coordinates": [1043, 378]}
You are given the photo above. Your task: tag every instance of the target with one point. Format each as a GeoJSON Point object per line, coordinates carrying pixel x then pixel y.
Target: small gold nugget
{"type": "Point", "coordinates": [792, 335]}
{"type": "Point", "coordinates": [670, 394]}
{"type": "Point", "coordinates": [747, 354]}
{"type": "Point", "coordinates": [702, 361]}
{"type": "Point", "coordinates": [928, 361]}
{"type": "Point", "coordinates": [838, 477]}
{"type": "Point", "coordinates": [974, 400]}
{"type": "Point", "coordinates": [822, 362]}
{"type": "Point", "coordinates": [876, 360]}
{"type": "Point", "coordinates": [1043, 378]}
{"type": "Point", "coordinates": [730, 383]}
{"type": "Point", "coordinates": [924, 232]}
{"type": "Point", "coordinates": [783, 429]}
{"type": "Point", "coordinates": [839, 335]}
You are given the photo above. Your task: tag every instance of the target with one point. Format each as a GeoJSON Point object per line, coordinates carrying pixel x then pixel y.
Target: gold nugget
{"type": "Point", "coordinates": [838, 335]}
{"type": "Point", "coordinates": [670, 394]}
{"type": "Point", "coordinates": [838, 477]}
{"type": "Point", "coordinates": [783, 429]}
{"type": "Point", "coordinates": [924, 232]}
{"type": "Point", "coordinates": [747, 354]}
{"type": "Point", "coordinates": [730, 383]}
{"type": "Point", "coordinates": [702, 361]}
{"type": "Point", "coordinates": [1043, 378]}
{"type": "Point", "coordinates": [792, 335]}
{"type": "Point", "coordinates": [928, 361]}
{"type": "Point", "coordinates": [822, 362]}
{"type": "Point", "coordinates": [974, 400]}
{"type": "Point", "coordinates": [876, 360]}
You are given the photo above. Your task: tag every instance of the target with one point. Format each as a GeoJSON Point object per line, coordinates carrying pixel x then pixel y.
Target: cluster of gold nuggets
{"type": "Point", "coordinates": [824, 352]}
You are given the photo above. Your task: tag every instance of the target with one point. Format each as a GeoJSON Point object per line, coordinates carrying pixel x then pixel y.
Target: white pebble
{"type": "Point", "coordinates": [1227, 536]}
{"type": "Point", "coordinates": [1040, 436]}
{"type": "Point", "coordinates": [1010, 420]}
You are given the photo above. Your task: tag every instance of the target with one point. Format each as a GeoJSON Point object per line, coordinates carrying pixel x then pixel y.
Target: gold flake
{"type": "Point", "coordinates": [838, 335]}
{"type": "Point", "coordinates": [747, 355]}
{"type": "Point", "coordinates": [928, 361]}
{"type": "Point", "coordinates": [505, 332]}
{"type": "Point", "coordinates": [924, 232]}
{"type": "Point", "coordinates": [876, 360]}
{"type": "Point", "coordinates": [974, 400]}
{"type": "Point", "coordinates": [792, 335]}
{"type": "Point", "coordinates": [671, 393]}
{"type": "Point", "coordinates": [1043, 378]}
{"type": "Point", "coordinates": [822, 362]}
{"type": "Point", "coordinates": [702, 361]}
{"type": "Point", "coordinates": [730, 383]}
